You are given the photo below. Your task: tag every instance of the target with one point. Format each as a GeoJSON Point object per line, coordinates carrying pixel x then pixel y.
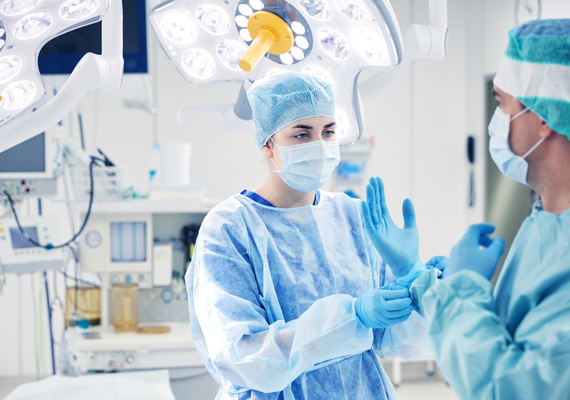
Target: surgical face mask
{"type": "Point", "coordinates": [511, 165]}
{"type": "Point", "coordinates": [308, 166]}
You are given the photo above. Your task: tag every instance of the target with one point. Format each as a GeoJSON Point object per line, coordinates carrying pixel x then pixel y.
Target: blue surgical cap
{"type": "Point", "coordinates": [282, 99]}
{"type": "Point", "coordinates": [536, 70]}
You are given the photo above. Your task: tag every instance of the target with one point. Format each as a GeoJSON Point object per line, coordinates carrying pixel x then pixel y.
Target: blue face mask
{"type": "Point", "coordinates": [511, 165]}
{"type": "Point", "coordinates": [308, 166]}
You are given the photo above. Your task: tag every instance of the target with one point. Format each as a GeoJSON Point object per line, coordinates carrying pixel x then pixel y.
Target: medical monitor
{"type": "Point", "coordinates": [61, 55]}
{"type": "Point", "coordinates": [36, 158]}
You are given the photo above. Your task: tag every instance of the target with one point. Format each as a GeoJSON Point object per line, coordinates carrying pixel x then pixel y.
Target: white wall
{"type": "Point", "coordinates": [420, 125]}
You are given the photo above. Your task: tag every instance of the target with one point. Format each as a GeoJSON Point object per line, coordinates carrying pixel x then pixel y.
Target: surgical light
{"type": "Point", "coordinates": [10, 66]}
{"type": "Point", "coordinates": [318, 9]}
{"type": "Point", "coordinates": [78, 9]}
{"type": "Point", "coordinates": [256, 4]}
{"type": "Point", "coordinates": [213, 19]}
{"type": "Point", "coordinates": [334, 43]}
{"type": "Point", "coordinates": [331, 39]}
{"type": "Point", "coordinates": [32, 26]}
{"type": "Point", "coordinates": [230, 51]}
{"type": "Point", "coordinates": [353, 9]}
{"type": "Point", "coordinates": [199, 63]}
{"type": "Point", "coordinates": [25, 26]}
{"type": "Point", "coordinates": [302, 42]}
{"type": "Point", "coordinates": [368, 42]}
{"type": "Point", "coordinates": [17, 7]}
{"type": "Point", "coordinates": [177, 28]}
{"type": "Point", "coordinates": [18, 95]}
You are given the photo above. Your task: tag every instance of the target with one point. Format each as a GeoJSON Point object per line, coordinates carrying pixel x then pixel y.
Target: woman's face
{"type": "Point", "coordinates": [302, 131]}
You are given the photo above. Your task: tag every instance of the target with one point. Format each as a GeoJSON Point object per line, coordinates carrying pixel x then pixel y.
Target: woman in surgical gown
{"type": "Point", "coordinates": [277, 271]}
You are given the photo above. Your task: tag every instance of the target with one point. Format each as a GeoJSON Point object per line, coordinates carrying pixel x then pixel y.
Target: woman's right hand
{"type": "Point", "coordinates": [384, 307]}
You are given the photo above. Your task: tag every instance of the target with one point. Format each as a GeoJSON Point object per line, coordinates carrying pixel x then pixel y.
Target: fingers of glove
{"type": "Point", "coordinates": [485, 241]}
{"type": "Point", "coordinates": [409, 214]}
{"type": "Point", "coordinates": [395, 305]}
{"type": "Point", "coordinates": [439, 262]}
{"type": "Point", "coordinates": [367, 219]}
{"type": "Point", "coordinates": [404, 312]}
{"type": "Point", "coordinates": [401, 319]}
{"type": "Point", "coordinates": [372, 202]}
{"type": "Point", "coordinates": [495, 249]}
{"type": "Point", "coordinates": [393, 294]}
{"type": "Point", "coordinates": [381, 196]}
{"type": "Point", "coordinates": [477, 230]}
{"type": "Point", "coordinates": [393, 286]}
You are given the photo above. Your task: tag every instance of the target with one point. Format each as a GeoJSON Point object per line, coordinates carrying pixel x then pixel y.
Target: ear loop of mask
{"type": "Point", "coordinates": [272, 159]}
{"type": "Point", "coordinates": [533, 148]}
{"type": "Point", "coordinates": [520, 113]}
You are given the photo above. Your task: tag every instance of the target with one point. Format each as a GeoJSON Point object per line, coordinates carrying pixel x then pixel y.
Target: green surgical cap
{"type": "Point", "coordinates": [282, 99]}
{"type": "Point", "coordinates": [536, 70]}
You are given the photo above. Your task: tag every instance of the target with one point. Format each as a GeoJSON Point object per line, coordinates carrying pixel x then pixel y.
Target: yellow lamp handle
{"type": "Point", "coordinates": [270, 34]}
{"type": "Point", "coordinates": [260, 46]}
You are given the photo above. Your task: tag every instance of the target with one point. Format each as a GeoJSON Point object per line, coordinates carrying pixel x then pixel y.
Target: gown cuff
{"type": "Point", "coordinates": [424, 282]}
{"type": "Point", "coordinates": [417, 269]}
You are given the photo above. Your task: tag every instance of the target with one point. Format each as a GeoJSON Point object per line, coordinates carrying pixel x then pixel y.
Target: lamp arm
{"type": "Point", "coordinates": [112, 44]}
{"type": "Point", "coordinates": [420, 41]}
{"type": "Point", "coordinates": [91, 72]}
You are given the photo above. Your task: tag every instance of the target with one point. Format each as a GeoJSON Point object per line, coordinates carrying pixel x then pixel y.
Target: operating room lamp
{"type": "Point", "coordinates": [211, 41]}
{"type": "Point", "coordinates": [25, 26]}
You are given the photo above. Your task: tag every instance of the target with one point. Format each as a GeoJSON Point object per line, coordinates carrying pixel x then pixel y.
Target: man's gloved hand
{"type": "Point", "coordinates": [466, 254]}
{"type": "Point", "coordinates": [438, 262]}
{"type": "Point", "coordinates": [398, 247]}
{"type": "Point", "coordinates": [384, 307]}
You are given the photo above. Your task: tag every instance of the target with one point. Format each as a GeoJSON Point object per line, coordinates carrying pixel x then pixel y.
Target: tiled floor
{"type": "Point", "coordinates": [416, 385]}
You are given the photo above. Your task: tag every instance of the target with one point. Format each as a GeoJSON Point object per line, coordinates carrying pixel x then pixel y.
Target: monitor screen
{"type": "Point", "coordinates": [61, 55]}
{"type": "Point", "coordinates": [19, 241]}
{"type": "Point", "coordinates": [28, 156]}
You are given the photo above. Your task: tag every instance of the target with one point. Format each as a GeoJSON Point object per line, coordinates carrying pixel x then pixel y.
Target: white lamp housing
{"type": "Point", "coordinates": [25, 26]}
{"type": "Point", "coordinates": [334, 40]}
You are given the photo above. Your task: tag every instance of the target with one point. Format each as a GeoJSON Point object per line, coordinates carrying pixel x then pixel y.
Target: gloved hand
{"type": "Point", "coordinates": [438, 262]}
{"type": "Point", "coordinates": [466, 255]}
{"type": "Point", "coordinates": [398, 247]}
{"type": "Point", "coordinates": [384, 307]}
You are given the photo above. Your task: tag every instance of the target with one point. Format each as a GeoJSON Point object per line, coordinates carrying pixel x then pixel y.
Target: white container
{"type": "Point", "coordinates": [175, 163]}
{"type": "Point", "coordinates": [109, 182]}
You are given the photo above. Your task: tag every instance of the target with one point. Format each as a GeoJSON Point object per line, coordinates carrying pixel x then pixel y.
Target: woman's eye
{"type": "Point", "coordinates": [328, 133]}
{"type": "Point", "coordinates": [301, 136]}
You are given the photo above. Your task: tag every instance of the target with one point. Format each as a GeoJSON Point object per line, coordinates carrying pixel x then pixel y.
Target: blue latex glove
{"type": "Point", "coordinates": [384, 307]}
{"type": "Point", "coordinates": [466, 254]}
{"type": "Point", "coordinates": [438, 262]}
{"type": "Point", "coordinates": [398, 247]}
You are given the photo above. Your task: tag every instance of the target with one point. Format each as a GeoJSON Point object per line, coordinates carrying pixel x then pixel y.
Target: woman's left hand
{"type": "Point", "coordinates": [398, 247]}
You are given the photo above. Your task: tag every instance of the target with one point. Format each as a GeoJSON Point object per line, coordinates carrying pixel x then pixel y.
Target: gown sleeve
{"type": "Point", "coordinates": [408, 340]}
{"type": "Point", "coordinates": [244, 350]}
{"type": "Point", "coordinates": [479, 356]}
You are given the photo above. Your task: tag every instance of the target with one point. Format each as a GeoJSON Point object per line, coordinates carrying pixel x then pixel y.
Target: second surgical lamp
{"type": "Point", "coordinates": [25, 26]}
{"type": "Point", "coordinates": [243, 40]}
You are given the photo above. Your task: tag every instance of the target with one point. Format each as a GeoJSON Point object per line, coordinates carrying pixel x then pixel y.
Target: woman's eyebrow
{"type": "Point", "coordinates": [302, 127]}
{"type": "Point", "coordinates": [330, 125]}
